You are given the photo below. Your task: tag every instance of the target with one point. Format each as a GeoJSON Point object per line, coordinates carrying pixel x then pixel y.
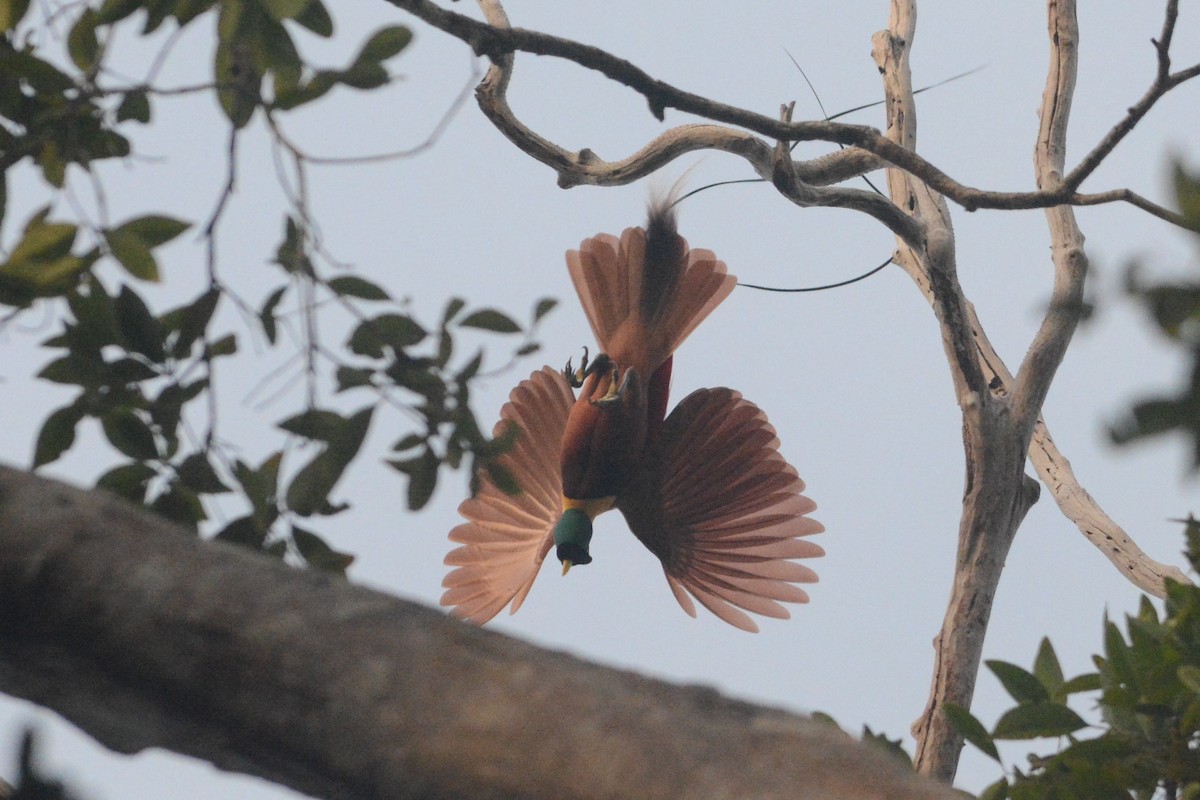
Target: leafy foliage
{"type": "Point", "coordinates": [1149, 684]}
{"type": "Point", "coordinates": [1175, 309]}
{"type": "Point", "coordinates": [146, 378]}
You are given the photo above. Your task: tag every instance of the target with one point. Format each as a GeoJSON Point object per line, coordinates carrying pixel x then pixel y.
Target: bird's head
{"type": "Point", "coordinates": [572, 535]}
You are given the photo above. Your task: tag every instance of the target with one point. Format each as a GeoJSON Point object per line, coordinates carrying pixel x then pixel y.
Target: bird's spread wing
{"type": "Point", "coordinates": [613, 277]}
{"type": "Point", "coordinates": [724, 512]}
{"type": "Point", "coordinates": [506, 536]}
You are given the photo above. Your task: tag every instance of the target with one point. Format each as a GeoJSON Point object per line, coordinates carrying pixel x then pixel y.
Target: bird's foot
{"type": "Point", "coordinates": [616, 389]}
{"type": "Point", "coordinates": [575, 376]}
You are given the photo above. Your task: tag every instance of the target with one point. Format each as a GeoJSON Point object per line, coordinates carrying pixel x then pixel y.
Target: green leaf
{"type": "Point", "coordinates": [455, 305]}
{"type": "Point", "coordinates": [316, 19]}
{"type": "Point", "coordinates": [408, 442]}
{"type": "Point", "coordinates": [470, 369]}
{"type": "Point", "coordinates": [445, 348]}
{"type": "Point", "coordinates": [318, 554]}
{"type": "Point", "coordinates": [353, 377]}
{"type": "Point", "coordinates": [1187, 195]}
{"type": "Point", "coordinates": [155, 229]}
{"type": "Point", "coordinates": [316, 87]}
{"type": "Point", "coordinates": [995, 791]}
{"type": "Point", "coordinates": [179, 504]}
{"type": "Point", "coordinates": [260, 486]}
{"type": "Point", "coordinates": [1033, 720]}
{"type": "Point", "coordinates": [385, 43]}
{"type": "Point", "coordinates": [239, 81]}
{"type": "Point", "coordinates": [116, 10]}
{"type": "Point", "coordinates": [194, 321]}
{"type": "Point", "coordinates": [544, 306]}
{"type": "Point", "coordinates": [76, 369]}
{"type": "Point", "coordinates": [365, 75]}
{"type": "Point", "coordinates": [126, 431]}
{"type": "Point", "coordinates": [135, 106]}
{"type": "Point", "coordinates": [157, 12]}
{"type": "Point", "coordinates": [309, 490]}
{"type": "Point", "coordinates": [125, 371]}
{"type": "Point", "coordinates": [280, 57]}
{"type": "Point", "coordinates": [133, 254]}
{"type": "Point", "coordinates": [1088, 682]}
{"type": "Point", "coordinates": [244, 531]}
{"type": "Point", "coordinates": [197, 473]}
{"type": "Point", "coordinates": [11, 13]}
{"type": "Point", "coordinates": [490, 319]}
{"type": "Point", "coordinates": [291, 254]}
{"type": "Point", "coordinates": [393, 330]}
{"type": "Point", "coordinates": [82, 45]}
{"type": "Point", "coordinates": [1021, 685]}
{"type": "Point", "coordinates": [1148, 418]}
{"type": "Point", "coordinates": [352, 286]}
{"type": "Point", "coordinates": [1117, 667]}
{"type": "Point", "coordinates": [323, 426]}
{"type": "Point", "coordinates": [1189, 676]}
{"type": "Point", "coordinates": [284, 9]}
{"type": "Point", "coordinates": [266, 316]}
{"type": "Point", "coordinates": [422, 473]}
{"type": "Point", "coordinates": [348, 445]}
{"type": "Point", "coordinates": [54, 166]}
{"type": "Point", "coordinates": [1047, 669]}
{"type": "Point", "coordinates": [43, 241]}
{"type": "Point", "coordinates": [141, 331]}
{"type": "Point", "coordinates": [971, 729]}
{"type": "Point", "coordinates": [128, 481]}
{"type": "Point", "coordinates": [57, 434]}
{"type": "Point", "coordinates": [225, 346]}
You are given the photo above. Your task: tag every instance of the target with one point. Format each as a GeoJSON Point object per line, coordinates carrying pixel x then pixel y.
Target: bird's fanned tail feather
{"type": "Point", "coordinates": [506, 537]}
{"type": "Point", "coordinates": [644, 297]}
{"type": "Point", "coordinates": [723, 510]}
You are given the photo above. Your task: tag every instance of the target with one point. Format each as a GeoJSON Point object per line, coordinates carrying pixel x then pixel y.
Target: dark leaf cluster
{"type": "Point", "coordinates": [1148, 744]}
{"type": "Point", "coordinates": [395, 359]}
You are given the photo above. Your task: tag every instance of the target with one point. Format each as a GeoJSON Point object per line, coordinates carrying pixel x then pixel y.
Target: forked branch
{"type": "Point", "coordinates": [500, 41]}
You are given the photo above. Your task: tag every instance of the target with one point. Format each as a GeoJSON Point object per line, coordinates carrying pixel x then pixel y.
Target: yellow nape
{"type": "Point", "coordinates": [593, 507]}
{"type": "Point", "coordinates": [566, 566]}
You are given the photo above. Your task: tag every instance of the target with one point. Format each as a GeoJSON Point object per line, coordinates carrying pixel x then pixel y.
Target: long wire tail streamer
{"type": "Point", "coordinates": [864, 276]}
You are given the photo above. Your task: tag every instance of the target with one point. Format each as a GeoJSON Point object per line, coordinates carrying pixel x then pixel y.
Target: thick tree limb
{"type": "Point", "coordinates": [499, 42]}
{"type": "Point", "coordinates": [997, 494]}
{"type": "Point", "coordinates": [147, 637]}
{"type": "Point", "coordinates": [1050, 343]}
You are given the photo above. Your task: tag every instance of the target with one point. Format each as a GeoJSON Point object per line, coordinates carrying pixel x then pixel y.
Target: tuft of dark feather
{"type": "Point", "coordinates": [665, 252]}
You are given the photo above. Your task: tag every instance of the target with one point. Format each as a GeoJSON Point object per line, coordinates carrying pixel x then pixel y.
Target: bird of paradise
{"type": "Point", "coordinates": [705, 489]}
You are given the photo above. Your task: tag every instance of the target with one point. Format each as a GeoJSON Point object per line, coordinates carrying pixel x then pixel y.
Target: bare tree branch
{"type": "Point", "coordinates": [1049, 344]}
{"type": "Point", "coordinates": [786, 179]}
{"type": "Point", "coordinates": [996, 494]}
{"type": "Point", "coordinates": [585, 167]}
{"type": "Point", "coordinates": [1164, 81]}
{"type": "Point", "coordinates": [1101, 530]}
{"type": "Point", "coordinates": [144, 636]}
{"type": "Point", "coordinates": [500, 41]}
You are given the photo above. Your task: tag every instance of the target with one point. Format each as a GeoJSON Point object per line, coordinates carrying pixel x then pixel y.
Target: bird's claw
{"type": "Point", "coordinates": [616, 390]}
{"type": "Point", "coordinates": [575, 377]}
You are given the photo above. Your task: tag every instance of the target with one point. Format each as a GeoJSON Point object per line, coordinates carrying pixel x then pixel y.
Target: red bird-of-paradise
{"type": "Point", "coordinates": [705, 488]}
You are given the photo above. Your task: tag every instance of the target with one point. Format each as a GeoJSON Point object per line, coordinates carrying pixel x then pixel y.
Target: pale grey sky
{"type": "Point", "coordinates": [853, 379]}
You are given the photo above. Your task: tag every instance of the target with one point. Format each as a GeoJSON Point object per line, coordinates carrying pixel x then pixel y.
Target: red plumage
{"type": "Point", "coordinates": [705, 488]}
